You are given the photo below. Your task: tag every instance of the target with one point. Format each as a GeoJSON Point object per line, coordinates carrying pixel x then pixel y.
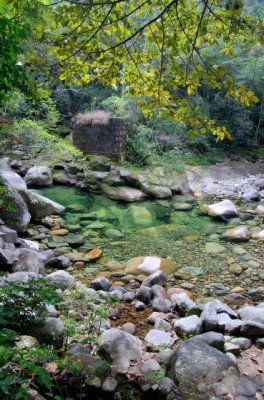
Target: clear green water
{"type": "Point", "coordinates": [144, 228]}
{"type": "Point", "coordinates": [149, 228]}
{"type": "Point", "coordinates": [127, 217]}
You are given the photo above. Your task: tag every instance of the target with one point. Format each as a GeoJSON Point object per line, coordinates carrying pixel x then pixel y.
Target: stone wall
{"type": "Point", "coordinates": [106, 139]}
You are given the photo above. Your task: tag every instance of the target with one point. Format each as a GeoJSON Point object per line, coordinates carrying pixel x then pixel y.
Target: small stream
{"type": "Point", "coordinates": [151, 227]}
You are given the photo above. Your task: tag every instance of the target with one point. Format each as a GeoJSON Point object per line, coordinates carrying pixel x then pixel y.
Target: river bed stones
{"type": "Point", "coordinates": [140, 215]}
{"type": "Point", "coordinates": [238, 234]}
{"type": "Point", "coordinates": [159, 338]}
{"type": "Point", "coordinates": [119, 347]}
{"type": "Point", "coordinates": [27, 260]}
{"type": "Point", "coordinates": [214, 248]}
{"type": "Point", "coordinates": [59, 232]}
{"type": "Point", "coordinates": [158, 192]}
{"type": "Point", "coordinates": [223, 209]}
{"type": "Point", "coordinates": [194, 363]}
{"type": "Point", "coordinates": [188, 326]}
{"type": "Point", "coordinates": [149, 265]}
{"type": "Point", "coordinates": [94, 254]}
{"type": "Point", "coordinates": [62, 279]}
{"type": "Point", "coordinates": [123, 193]}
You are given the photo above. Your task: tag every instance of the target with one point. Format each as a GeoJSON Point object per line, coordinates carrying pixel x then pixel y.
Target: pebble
{"type": "Point", "coordinates": [110, 385]}
{"type": "Point", "coordinates": [139, 306]}
{"type": "Point", "coordinates": [129, 327]}
{"type": "Point", "coordinates": [231, 348]}
{"type": "Point", "coordinates": [235, 269]}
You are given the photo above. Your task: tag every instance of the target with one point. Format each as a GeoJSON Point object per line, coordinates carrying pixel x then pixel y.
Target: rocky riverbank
{"type": "Point", "coordinates": [232, 179]}
{"type": "Point", "coordinates": [158, 340]}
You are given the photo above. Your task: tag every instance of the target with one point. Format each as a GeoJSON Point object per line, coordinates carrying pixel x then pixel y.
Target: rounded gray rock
{"type": "Point", "coordinates": [119, 347]}
{"type": "Point", "coordinates": [61, 278]}
{"type": "Point", "coordinates": [188, 326]}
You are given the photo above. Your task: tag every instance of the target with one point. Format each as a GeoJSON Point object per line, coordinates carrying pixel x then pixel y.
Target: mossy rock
{"type": "Point", "coordinates": [83, 364]}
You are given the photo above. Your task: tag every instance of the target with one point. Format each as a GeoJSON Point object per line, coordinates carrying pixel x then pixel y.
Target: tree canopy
{"type": "Point", "coordinates": [159, 51]}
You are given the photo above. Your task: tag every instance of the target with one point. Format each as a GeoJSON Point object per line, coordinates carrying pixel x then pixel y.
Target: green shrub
{"type": "Point", "coordinates": [34, 134]}
{"type": "Point", "coordinates": [93, 312]}
{"type": "Point", "coordinates": [21, 300]}
{"type": "Point", "coordinates": [29, 132]}
{"type": "Point", "coordinates": [20, 370]}
{"type": "Point", "coordinates": [18, 106]}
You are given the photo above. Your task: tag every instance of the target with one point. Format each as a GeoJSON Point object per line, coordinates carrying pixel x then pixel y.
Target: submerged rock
{"type": "Point", "coordinates": [214, 248]}
{"type": "Point", "coordinates": [140, 215]}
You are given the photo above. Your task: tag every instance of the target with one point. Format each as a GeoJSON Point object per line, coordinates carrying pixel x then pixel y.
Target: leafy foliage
{"type": "Point", "coordinates": [21, 300]}
{"type": "Point", "coordinates": [93, 308]}
{"type": "Point", "coordinates": [20, 369]}
{"type": "Point", "coordinates": [12, 73]}
{"type": "Point", "coordinates": [157, 51]}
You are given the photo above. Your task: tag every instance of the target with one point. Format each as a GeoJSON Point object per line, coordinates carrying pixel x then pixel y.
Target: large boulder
{"type": "Point", "coordinates": [39, 176]}
{"type": "Point", "coordinates": [28, 260]}
{"type": "Point", "coordinates": [119, 347]}
{"type": "Point", "coordinates": [196, 362]}
{"type": "Point", "coordinates": [223, 209]}
{"type": "Point", "coordinates": [39, 206]}
{"type": "Point", "coordinates": [124, 193]}
{"type": "Point", "coordinates": [12, 179]}
{"type": "Point", "coordinates": [13, 209]}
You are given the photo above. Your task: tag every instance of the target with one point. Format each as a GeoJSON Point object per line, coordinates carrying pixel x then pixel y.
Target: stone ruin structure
{"type": "Point", "coordinates": [97, 132]}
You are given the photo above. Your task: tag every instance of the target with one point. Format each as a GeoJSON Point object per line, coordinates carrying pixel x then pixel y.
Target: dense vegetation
{"type": "Point", "coordinates": [179, 71]}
